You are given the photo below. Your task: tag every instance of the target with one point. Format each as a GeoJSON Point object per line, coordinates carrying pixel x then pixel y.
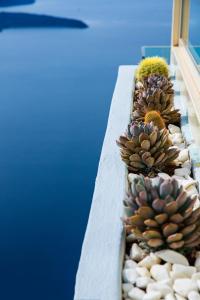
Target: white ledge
{"type": "Point", "coordinates": [99, 271]}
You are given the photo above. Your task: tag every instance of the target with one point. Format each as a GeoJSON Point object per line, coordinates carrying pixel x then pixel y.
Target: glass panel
{"type": "Point", "coordinates": [194, 32]}
{"type": "Point", "coordinates": [163, 51]}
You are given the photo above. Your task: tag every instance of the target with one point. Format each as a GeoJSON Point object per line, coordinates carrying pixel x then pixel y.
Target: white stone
{"type": "Point", "coordinates": [197, 261]}
{"type": "Point", "coordinates": [149, 261]}
{"type": "Point", "coordinates": [152, 296]}
{"type": "Point", "coordinates": [131, 238]}
{"type": "Point", "coordinates": [164, 289]}
{"type": "Point", "coordinates": [164, 175]}
{"type": "Point", "coordinates": [177, 138]}
{"type": "Point", "coordinates": [194, 295]}
{"type": "Point", "coordinates": [187, 183]}
{"type": "Point", "coordinates": [142, 271]}
{"type": "Point", "coordinates": [126, 287]}
{"type": "Point", "coordinates": [168, 266]}
{"type": "Point", "coordinates": [159, 272]}
{"type": "Point", "coordinates": [198, 283]}
{"type": "Point", "coordinates": [182, 172]}
{"type": "Point", "coordinates": [196, 276]}
{"type": "Point", "coordinates": [179, 297]}
{"type": "Point", "coordinates": [129, 275]}
{"type": "Point", "coordinates": [183, 155]}
{"type": "Point", "coordinates": [192, 190]}
{"type": "Point", "coordinates": [168, 282]}
{"type": "Point", "coordinates": [142, 282]}
{"type": "Point", "coordinates": [130, 264]}
{"type": "Point", "coordinates": [136, 294]}
{"type": "Point", "coordinates": [177, 275]}
{"type": "Point", "coordinates": [188, 271]}
{"type": "Point", "coordinates": [187, 164]}
{"type": "Point", "coordinates": [172, 257]}
{"type": "Point", "coordinates": [174, 129]}
{"type": "Point", "coordinates": [181, 145]}
{"type": "Point", "coordinates": [184, 285]}
{"type": "Point", "coordinates": [131, 177]}
{"type": "Point", "coordinates": [136, 253]}
{"type": "Point", "coordinates": [170, 297]}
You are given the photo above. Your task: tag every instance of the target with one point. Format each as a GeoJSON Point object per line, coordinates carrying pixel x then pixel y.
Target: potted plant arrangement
{"type": "Point", "coordinates": [162, 212]}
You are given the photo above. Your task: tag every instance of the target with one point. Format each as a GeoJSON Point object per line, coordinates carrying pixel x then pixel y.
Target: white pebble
{"type": "Point", "coordinates": [196, 276]}
{"type": "Point", "coordinates": [174, 129]}
{"type": "Point", "coordinates": [197, 261]}
{"type": "Point", "coordinates": [149, 261]}
{"type": "Point", "coordinates": [152, 296]}
{"type": "Point", "coordinates": [142, 282]}
{"type": "Point", "coordinates": [184, 285]}
{"type": "Point", "coordinates": [164, 289]}
{"type": "Point", "coordinates": [186, 270]}
{"type": "Point", "coordinates": [182, 172]}
{"type": "Point", "coordinates": [164, 175]}
{"type": "Point", "coordinates": [192, 190]}
{"type": "Point", "coordinates": [131, 238]}
{"type": "Point", "coordinates": [142, 271]}
{"type": "Point", "coordinates": [131, 177]}
{"type": "Point", "coordinates": [159, 272]}
{"type": "Point", "coordinates": [183, 155]}
{"type": "Point", "coordinates": [193, 295]}
{"type": "Point", "coordinates": [187, 164]}
{"type": "Point", "coordinates": [168, 266]}
{"type": "Point", "coordinates": [130, 264]}
{"type": "Point", "coordinates": [129, 276]}
{"type": "Point", "coordinates": [172, 257]}
{"type": "Point", "coordinates": [170, 297]}
{"type": "Point", "coordinates": [136, 253]}
{"type": "Point", "coordinates": [136, 294]}
{"type": "Point", "coordinates": [198, 283]}
{"type": "Point", "coordinates": [126, 287]}
{"type": "Point", "coordinates": [179, 297]}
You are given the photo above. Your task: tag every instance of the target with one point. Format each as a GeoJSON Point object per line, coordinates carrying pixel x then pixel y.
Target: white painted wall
{"type": "Point", "coordinates": [99, 271]}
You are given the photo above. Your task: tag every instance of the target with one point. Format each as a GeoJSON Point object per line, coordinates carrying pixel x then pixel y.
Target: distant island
{"type": "Point", "coordinates": [10, 20]}
{"type": "Point", "coordinates": [4, 3]}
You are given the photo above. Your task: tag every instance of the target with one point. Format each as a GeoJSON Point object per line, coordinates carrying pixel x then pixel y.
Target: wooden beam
{"type": "Point", "coordinates": [176, 22]}
{"type": "Point", "coordinates": [190, 75]}
{"type": "Point", "coordinates": [185, 20]}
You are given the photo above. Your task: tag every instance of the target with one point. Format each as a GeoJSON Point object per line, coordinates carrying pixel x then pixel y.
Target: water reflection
{"type": "Point", "coordinates": [26, 20]}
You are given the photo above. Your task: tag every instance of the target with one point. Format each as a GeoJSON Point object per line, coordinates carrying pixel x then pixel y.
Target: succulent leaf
{"type": "Point", "coordinates": [145, 149]}
{"type": "Point", "coordinates": [171, 221]}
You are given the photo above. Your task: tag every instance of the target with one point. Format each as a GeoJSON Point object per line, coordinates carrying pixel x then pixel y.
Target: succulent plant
{"type": "Point", "coordinates": [152, 65]}
{"type": "Point", "coordinates": [146, 149]}
{"type": "Point", "coordinates": [163, 214]}
{"type": "Point", "coordinates": [155, 117]}
{"type": "Point", "coordinates": [155, 93]}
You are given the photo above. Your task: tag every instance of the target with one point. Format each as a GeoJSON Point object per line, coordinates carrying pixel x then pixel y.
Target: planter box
{"type": "Point", "coordinates": [99, 271]}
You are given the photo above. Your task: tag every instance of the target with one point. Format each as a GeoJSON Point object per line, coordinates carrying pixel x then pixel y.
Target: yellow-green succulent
{"type": "Point", "coordinates": [152, 65]}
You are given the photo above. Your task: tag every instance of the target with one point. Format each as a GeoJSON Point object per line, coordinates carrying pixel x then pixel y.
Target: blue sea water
{"type": "Point", "coordinates": [56, 87]}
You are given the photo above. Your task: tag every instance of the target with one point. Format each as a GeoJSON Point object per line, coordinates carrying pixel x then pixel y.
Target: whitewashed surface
{"type": "Point", "coordinates": [99, 272]}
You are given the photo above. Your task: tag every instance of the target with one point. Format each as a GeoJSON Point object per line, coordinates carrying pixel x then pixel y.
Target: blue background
{"type": "Point", "coordinates": [56, 87]}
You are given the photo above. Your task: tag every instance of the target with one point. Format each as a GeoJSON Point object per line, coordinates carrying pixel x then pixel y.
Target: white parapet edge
{"type": "Point", "coordinates": [99, 271]}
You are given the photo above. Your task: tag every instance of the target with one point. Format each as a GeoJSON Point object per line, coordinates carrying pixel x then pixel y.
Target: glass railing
{"type": "Point", "coordinates": [163, 51]}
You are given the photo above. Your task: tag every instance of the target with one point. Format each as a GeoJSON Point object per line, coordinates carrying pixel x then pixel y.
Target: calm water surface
{"type": "Point", "coordinates": [56, 87]}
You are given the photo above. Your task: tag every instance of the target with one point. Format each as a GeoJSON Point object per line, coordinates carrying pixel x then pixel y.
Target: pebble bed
{"type": "Point", "coordinates": [165, 274]}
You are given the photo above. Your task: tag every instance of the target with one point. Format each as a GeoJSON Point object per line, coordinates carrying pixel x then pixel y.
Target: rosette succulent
{"type": "Point", "coordinates": [155, 93]}
{"type": "Point", "coordinates": [146, 149]}
{"type": "Point", "coordinates": [162, 214]}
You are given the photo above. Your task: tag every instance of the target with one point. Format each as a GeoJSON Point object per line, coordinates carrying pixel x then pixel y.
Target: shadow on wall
{"type": "Point", "coordinates": [4, 3]}
{"type": "Point", "coordinates": [26, 20]}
